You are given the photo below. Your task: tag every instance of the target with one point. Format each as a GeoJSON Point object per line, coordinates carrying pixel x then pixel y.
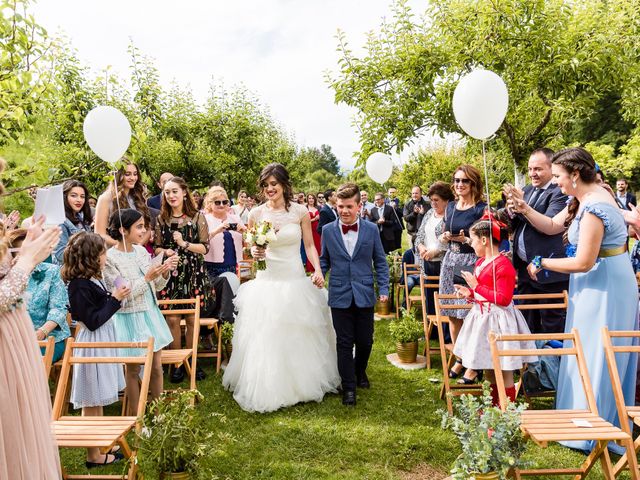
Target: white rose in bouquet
{"type": "Point", "coordinates": [271, 236]}
{"type": "Point", "coordinates": [261, 240]}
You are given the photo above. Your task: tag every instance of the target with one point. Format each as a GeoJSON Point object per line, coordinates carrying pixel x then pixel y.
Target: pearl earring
{"type": "Point", "coordinates": [574, 184]}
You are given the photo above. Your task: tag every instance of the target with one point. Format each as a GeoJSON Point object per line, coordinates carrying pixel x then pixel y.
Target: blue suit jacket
{"type": "Point", "coordinates": [352, 276]}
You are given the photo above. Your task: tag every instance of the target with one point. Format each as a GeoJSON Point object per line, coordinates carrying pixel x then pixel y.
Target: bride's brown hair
{"type": "Point", "coordinates": [281, 175]}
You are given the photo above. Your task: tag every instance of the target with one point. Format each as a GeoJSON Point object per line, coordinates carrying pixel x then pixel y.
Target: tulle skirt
{"type": "Point", "coordinates": [284, 345]}
{"type": "Point", "coordinates": [27, 447]}
{"type": "Point", "coordinates": [472, 344]}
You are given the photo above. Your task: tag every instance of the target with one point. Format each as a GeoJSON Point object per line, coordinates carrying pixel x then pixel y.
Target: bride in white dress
{"type": "Point", "coordinates": [284, 344]}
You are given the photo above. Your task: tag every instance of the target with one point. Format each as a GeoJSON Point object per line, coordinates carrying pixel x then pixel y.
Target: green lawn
{"type": "Point", "coordinates": [393, 431]}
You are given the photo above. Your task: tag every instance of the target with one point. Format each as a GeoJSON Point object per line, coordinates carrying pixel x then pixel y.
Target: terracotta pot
{"type": "Point", "coordinates": [383, 308]}
{"type": "Point", "coordinates": [407, 352]}
{"type": "Point", "coordinates": [486, 476]}
{"type": "Point", "coordinates": [176, 476]}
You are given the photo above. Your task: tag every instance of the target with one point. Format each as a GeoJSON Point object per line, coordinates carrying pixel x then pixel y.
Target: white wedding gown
{"type": "Point", "coordinates": [284, 345]}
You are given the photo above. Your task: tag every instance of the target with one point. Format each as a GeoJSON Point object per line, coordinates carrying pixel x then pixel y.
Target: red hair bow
{"type": "Point", "coordinates": [496, 225]}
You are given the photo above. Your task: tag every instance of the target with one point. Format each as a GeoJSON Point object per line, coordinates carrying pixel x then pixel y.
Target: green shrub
{"type": "Point", "coordinates": [406, 329]}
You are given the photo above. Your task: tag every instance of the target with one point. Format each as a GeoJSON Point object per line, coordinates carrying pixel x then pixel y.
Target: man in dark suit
{"type": "Point", "coordinates": [384, 216]}
{"type": "Point", "coordinates": [623, 196]}
{"type": "Point", "coordinates": [398, 208]}
{"type": "Point", "coordinates": [414, 211]}
{"type": "Point", "coordinates": [328, 212]}
{"type": "Point", "coordinates": [156, 201]}
{"type": "Point", "coordinates": [545, 197]}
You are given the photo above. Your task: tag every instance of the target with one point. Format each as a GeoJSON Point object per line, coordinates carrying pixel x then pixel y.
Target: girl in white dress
{"type": "Point", "coordinates": [284, 348]}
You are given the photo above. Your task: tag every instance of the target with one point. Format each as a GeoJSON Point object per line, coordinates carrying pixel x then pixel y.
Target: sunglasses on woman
{"type": "Point", "coordinates": [464, 181]}
{"type": "Point", "coordinates": [221, 202]}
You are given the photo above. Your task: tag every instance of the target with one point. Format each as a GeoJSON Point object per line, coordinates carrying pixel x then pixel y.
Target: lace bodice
{"type": "Point", "coordinates": [283, 254]}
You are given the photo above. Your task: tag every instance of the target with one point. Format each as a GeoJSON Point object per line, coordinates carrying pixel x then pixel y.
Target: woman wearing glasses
{"type": "Point", "coordinates": [225, 233]}
{"type": "Point", "coordinates": [182, 230]}
{"type": "Point", "coordinates": [459, 216]}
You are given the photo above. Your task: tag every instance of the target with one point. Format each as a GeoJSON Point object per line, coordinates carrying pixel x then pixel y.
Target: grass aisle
{"type": "Point", "coordinates": [393, 433]}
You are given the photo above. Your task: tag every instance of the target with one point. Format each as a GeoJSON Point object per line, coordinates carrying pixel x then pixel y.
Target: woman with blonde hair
{"type": "Point", "coordinates": [225, 249]}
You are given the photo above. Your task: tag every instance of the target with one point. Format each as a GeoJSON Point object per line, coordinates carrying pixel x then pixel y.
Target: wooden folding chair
{"type": "Point", "coordinates": [544, 426]}
{"type": "Point", "coordinates": [626, 413]}
{"type": "Point", "coordinates": [245, 270]}
{"type": "Point", "coordinates": [182, 356]}
{"type": "Point", "coordinates": [99, 432]}
{"type": "Point", "coordinates": [49, 346]}
{"type": "Point", "coordinates": [447, 357]}
{"type": "Point", "coordinates": [410, 269]}
{"type": "Point", "coordinates": [544, 301]}
{"type": "Point", "coordinates": [214, 324]}
{"type": "Point", "coordinates": [428, 321]}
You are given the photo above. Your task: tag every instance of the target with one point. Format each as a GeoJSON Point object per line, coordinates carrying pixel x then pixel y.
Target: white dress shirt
{"type": "Point", "coordinates": [350, 238]}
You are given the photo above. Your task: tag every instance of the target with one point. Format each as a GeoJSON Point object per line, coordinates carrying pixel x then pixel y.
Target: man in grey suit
{"type": "Point", "coordinates": [545, 197]}
{"type": "Point", "coordinates": [351, 248]}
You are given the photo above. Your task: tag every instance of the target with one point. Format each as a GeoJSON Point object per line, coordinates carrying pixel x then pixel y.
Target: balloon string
{"type": "Point", "coordinates": [486, 183]}
{"type": "Point", "coordinates": [115, 182]}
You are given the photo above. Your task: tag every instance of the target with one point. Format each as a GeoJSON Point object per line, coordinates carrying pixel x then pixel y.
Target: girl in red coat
{"type": "Point", "coordinates": [490, 288]}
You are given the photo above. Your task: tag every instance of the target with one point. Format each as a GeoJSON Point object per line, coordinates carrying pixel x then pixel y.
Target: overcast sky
{"type": "Point", "coordinates": [279, 49]}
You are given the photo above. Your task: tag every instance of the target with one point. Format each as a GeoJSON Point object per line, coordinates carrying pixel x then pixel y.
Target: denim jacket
{"type": "Point", "coordinates": [47, 299]}
{"type": "Point", "coordinates": [68, 230]}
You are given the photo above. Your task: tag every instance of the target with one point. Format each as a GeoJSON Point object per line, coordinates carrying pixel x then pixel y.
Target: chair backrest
{"type": "Point", "coordinates": [610, 351]}
{"type": "Point", "coordinates": [409, 269]}
{"type": "Point", "coordinates": [575, 350]}
{"type": "Point", "coordinates": [193, 309]}
{"type": "Point", "coordinates": [70, 358]}
{"type": "Point", "coordinates": [554, 301]}
{"type": "Point", "coordinates": [428, 281]}
{"type": "Point", "coordinates": [49, 346]}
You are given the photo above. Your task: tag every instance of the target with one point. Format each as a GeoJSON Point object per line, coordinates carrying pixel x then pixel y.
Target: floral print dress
{"type": "Point", "coordinates": [190, 278]}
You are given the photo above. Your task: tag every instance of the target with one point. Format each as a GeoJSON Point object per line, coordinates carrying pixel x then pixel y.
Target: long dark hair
{"type": "Point", "coordinates": [474, 175]}
{"type": "Point", "coordinates": [87, 218]}
{"type": "Point", "coordinates": [123, 219]}
{"type": "Point", "coordinates": [575, 159]}
{"type": "Point", "coordinates": [281, 175]}
{"type": "Point", "coordinates": [137, 192]}
{"type": "Point", "coordinates": [189, 207]}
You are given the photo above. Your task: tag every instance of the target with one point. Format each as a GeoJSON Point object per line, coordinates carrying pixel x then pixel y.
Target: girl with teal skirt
{"type": "Point", "coordinates": [139, 318]}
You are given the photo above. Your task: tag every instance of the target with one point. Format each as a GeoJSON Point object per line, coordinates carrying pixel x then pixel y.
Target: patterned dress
{"type": "Point", "coordinates": [190, 278]}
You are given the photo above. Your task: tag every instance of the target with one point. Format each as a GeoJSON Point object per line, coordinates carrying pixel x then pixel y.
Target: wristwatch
{"type": "Point", "coordinates": [186, 246]}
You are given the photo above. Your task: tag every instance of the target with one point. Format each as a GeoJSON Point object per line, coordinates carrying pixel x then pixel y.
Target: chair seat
{"type": "Point", "coordinates": [82, 431]}
{"type": "Point", "coordinates": [556, 425]}
{"type": "Point", "coordinates": [208, 322]}
{"type": "Point", "coordinates": [633, 412]}
{"type": "Point", "coordinates": [175, 356]}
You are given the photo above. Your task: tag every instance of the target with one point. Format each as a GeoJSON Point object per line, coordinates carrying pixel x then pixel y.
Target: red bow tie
{"type": "Point", "coordinates": [346, 228]}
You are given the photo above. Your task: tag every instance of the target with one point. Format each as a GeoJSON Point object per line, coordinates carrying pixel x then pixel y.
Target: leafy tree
{"type": "Point", "coordinates": [559, 60]}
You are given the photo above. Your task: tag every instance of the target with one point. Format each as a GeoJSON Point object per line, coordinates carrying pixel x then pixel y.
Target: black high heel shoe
{"type": "Point", "coordinates": [470, 381]}
{"type": "Point", "coordinates": [453, 374]}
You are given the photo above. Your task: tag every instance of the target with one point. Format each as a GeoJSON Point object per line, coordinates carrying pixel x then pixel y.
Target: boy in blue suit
{"type": "Point", "coordinates": [350, 250]}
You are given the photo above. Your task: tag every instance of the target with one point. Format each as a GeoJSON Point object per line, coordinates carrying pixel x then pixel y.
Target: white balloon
{"type": "Point", "coordinates": [480, 103]}
{"type": "Point", "coordinates": [108, 133]}
{"type": "Point", "coordinates": [379, 167]}
{"type": "Point", "coordinates": [233, 280]}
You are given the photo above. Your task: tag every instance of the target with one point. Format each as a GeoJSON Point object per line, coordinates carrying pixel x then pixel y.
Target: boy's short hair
{"type": "Point", "coordinates": [348, 190]}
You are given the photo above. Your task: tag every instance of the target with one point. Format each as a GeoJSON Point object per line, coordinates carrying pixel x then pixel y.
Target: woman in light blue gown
{"type": "Point", "coordinates": [602, 288]}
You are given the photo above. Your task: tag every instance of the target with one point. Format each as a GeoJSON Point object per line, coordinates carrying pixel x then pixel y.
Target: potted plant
{"type": "Point", "coordinates": [172, 442]}
{"type": "Point", "coordinates": [226, 332]}
{"type": "Point", "coordinates": [492, 441]}
{"type": "Point", "coordinates": [406, 331]}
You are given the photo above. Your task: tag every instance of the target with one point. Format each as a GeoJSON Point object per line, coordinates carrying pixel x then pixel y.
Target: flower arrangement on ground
{"type": "Point", "coordinates": [491, 439]}
{"type": "Point", "coordinates": [172, 438]}
{"type": "Point", "coordinates": [260, 235]}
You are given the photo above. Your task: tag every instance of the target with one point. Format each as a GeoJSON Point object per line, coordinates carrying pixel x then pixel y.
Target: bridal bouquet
{"type": "Point", "coordinates": [260, 235]}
